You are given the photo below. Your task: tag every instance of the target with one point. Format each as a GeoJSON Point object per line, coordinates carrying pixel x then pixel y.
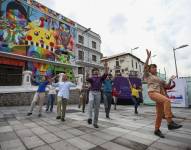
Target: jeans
{"type": "Point", "coordinates": [107, 102]}
{"type": "Point", "coordinates": [50, 102]}
{"type": "Point", "coordinates": [38, 97]}
{"type": "Point", "coordinates": [94, 103]}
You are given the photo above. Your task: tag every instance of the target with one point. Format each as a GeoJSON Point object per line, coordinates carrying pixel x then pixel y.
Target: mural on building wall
{"type": "Point", "coordinates": [37, 32]}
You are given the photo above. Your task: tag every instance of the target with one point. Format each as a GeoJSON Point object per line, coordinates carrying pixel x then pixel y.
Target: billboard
{"type": "Point", "coordinates": [31, 29]}
{"type": "Point", "coordinates": [178, 95]}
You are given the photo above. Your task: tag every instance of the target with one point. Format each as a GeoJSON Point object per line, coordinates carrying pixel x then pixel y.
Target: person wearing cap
{"type": "Point", "coordinates": [39, 94]}
{"type": "Point", "coordinates": [95, 93]}
{"type": "Point", "coordinates": [163, 104]}
{"type": "Point", "coordinates": [107, 94]}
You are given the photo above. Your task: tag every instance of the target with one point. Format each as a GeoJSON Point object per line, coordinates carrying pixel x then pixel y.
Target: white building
{"type": "Point", "coordinates": [88, 51]}
{"type": "Point", "coordinates": [125, 64]}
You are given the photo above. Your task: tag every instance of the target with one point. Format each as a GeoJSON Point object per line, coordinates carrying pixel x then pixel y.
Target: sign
{"type": "Point", "coordinates": [178, 95]}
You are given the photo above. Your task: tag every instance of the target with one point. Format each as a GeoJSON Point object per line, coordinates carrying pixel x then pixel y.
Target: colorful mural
{"type": "Point", "coordinates": [37, 32]}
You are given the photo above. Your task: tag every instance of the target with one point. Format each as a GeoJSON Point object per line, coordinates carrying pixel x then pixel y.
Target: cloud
{"type": "Point", "coordinates": [158, 25]}
{"type": "Point", "coordinates": [118, 23]}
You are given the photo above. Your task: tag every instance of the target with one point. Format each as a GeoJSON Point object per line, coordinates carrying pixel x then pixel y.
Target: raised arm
{"type": "Point", "coordinates": [106, 68]}
{"type": "Point", "coordinates": [88, 76]}
{"type": "Point", "coordinates": [147, 60]}
{"type": "Point", "coordinates": [129, 82]}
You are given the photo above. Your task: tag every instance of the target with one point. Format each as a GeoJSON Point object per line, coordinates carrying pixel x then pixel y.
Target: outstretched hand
{"type": "Point", "coordinates": [148, 53]}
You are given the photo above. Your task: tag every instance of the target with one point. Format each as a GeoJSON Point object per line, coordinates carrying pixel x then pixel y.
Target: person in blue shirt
{"type": "Point", "coordinates": [107, 94]}
{"type": "Point", "coordinates": [40, 94]}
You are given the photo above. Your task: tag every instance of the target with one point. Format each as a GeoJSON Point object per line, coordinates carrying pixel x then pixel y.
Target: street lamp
{"type": "Point", "coordinates": [133, 49]}
{"type": "Point", "coordinates": [174, 49]}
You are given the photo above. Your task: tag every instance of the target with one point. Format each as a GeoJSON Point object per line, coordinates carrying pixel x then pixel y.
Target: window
{"type": "Point", "coordinates": [10, 75]}
{"type": "Point", "coordinates": [80, 39]}
{"type": "Point", "coordinates": [94, 58]}
{"type": "Point", "coordinates": [136, 65]}
{"type": "Point", "coordinates": [132, 63]}
{"type": "Point", "coordinates": [140, 68]}
{"type": "Point", "coordinates": [117, 58]}
{"type": "Point", "coordinates": [122, 70]}
{"type": "Point", "coordinates": [80, 55]}
{"type": "Point", "coordinates": [117, 63]}
{"type": "Point", "coordinates": [80, 70]}
{"type": "Point", "coordinates": [93, 44]}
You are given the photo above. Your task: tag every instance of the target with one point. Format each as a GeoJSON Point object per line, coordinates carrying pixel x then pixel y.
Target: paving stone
{"type": "Point", "coordinates": [12, 145]}
{"type": "Point", "coordinates": [130, 144]}
{"type": "Point", "coordinates": [104, 136]}
{"type": "Point", "coordinates": [114, 146]}
{"type": "Point", "coordinates": [31, 125]}
{"type": "Point", "coordinates": [63, 145]}
{"type": "Point", "coordinates": [98, 148]}
{"type": "Point", "coordinates": [75, 132]}
{"type": "Point", "coordinates": [32, 142]}
{"type": "Point", "coordinates": [44, 147]}
{"type": "Point", "coordinates": [4, 129]}
{"type": "Point", "coordinates": [39, 130]}
{"type": "Point", "coordinates": [137, 139]}
{"type": "Point", "coordinates": [175, 143]}
{"type": "Point", "coordinates": [64, 134]}
{"type": "Point", "coordinates": [14, 122]}
{"type": "Point", "coordinates": [93, 139]}
{"type": "Point", "coordinates": [19, 127]}
{"type": "Point", "coordinates": [52, 128]}
{"type": "Point", "coordinates": [49, 138]}
{"type": "Point", "coordinates": [80, 143]}
{"type": "Point", "coordinates": [162, 146]}
{"type": "Point", "coordinates": [7, 136]}
{"type": "Point", "coordinates": [86, 129]}
{"type": "Point", "coordinates": [24, 133]}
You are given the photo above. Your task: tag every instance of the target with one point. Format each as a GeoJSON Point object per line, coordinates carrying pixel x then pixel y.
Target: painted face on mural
{"type": "Point", "coordinates": [41, 36]}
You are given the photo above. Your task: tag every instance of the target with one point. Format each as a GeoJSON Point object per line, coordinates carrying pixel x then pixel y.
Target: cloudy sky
{"type": "Point", "coordinates": [158, 25]}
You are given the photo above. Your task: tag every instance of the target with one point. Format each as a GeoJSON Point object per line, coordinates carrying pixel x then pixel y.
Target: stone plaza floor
{"type": "Point", "coordinates": [124, 131]}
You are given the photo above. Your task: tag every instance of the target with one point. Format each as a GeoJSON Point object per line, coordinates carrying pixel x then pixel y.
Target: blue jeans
{"type": "Point", "coordinates": [107, 102]}
{"type": "Point", "coordinates": [50, 102]}
{"type": "Point", "coordinates": [135, 101]}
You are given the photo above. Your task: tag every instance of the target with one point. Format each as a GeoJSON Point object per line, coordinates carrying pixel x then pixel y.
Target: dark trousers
{"type": "Point", "coordinates": [107, 102]}
{"type": "Point", "coordinates": [135, 101]}
{"type": "Point", "coordinates": [50, 102]}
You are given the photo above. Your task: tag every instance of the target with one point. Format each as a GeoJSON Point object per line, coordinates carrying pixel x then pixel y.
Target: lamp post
{"type": "Point", "coordinates": [134, 49]}
{"type": "Point", "coordinates": [174, 49]}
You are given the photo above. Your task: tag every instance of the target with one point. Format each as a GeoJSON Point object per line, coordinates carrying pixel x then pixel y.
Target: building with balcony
{"type": "Point", "coordinates": [88, 52]}
{"type": "Point", "coordinates": [125, 64]}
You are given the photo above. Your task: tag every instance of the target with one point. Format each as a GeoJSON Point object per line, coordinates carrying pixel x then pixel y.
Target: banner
{"type": "Point", "coordinates": [178, 95]}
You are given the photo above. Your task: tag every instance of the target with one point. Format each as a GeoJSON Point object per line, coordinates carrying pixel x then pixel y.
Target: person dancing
{"type": "Point", "coordinates": [163, 104]}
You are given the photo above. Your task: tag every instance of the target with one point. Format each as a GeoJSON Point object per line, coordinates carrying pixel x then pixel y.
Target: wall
{"type": "Point", "coordinates": [25, 98]}
{"type": "Point", "coordinates": [31, 29]}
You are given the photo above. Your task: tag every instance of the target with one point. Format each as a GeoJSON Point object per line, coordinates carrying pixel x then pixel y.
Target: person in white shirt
{"type": "Point", "coordinates": [51, 97]}
{"type": "Point", "coordinates": [63, 96]}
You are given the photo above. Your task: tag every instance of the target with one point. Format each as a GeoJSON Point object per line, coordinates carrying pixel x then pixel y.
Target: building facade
{"type": "Point", "coordinates": [124, 64]}
{"type": "Point", "coordinates": [36, 38]}
{"type": "Point", "coordinates": [88, 50]}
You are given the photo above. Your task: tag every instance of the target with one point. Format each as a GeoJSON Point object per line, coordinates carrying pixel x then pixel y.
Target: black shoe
{"type": "Point", "coordinates": [63, 119]}
{"type": "Point", "coordinates": [159, 133]}
{"type": "Point", "coordinates": [58, 117]}
{"type": "Point", "coordinates": [89, 121]}
{"type": "Point", "coordinates": [173, 126]}
{"type": "Point", "coordinates": [136, 112]}
{"type": "Point", "coordinates": [96, 126]}
{"type": "Point", "coordinates": [39, 115]}
{"type": "Point", "coordinates": [28, 114]}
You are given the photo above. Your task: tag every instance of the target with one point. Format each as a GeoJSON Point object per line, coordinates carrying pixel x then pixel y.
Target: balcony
{"type": "Point", "coordinates": [117, 67]}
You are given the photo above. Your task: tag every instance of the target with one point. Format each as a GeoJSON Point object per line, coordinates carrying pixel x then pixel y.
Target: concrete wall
{"type": "Point", "coordinates": [25, 98]}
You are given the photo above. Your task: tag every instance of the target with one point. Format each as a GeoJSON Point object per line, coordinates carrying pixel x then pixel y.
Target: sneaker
{"type": "Point", "coordinates": [173, 126]}
{"type": "Point", "coordinates": [62, 119]}
{"type": "Point", "coordinates": [28, 114]}
{"type": "Point", "coordinates": [58, 117]}
{"type": "Point", "coordinates": [96, 126]}
{"type": "Point", "coordinates": [39, 115]}
{"type": "Point", "coordinates": [159, 134]}
{"type": "Point", "coordinates": [89, 121]}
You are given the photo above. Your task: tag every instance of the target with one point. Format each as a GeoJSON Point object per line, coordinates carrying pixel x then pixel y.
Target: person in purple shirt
{"type": "Point", "coordinates": [95, 93]}
{"type": "Point", "coordinates": [40, 94]}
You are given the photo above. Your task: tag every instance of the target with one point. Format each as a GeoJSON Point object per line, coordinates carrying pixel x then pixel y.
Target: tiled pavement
{"type": "Point", "coordinates": [125, 131]}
